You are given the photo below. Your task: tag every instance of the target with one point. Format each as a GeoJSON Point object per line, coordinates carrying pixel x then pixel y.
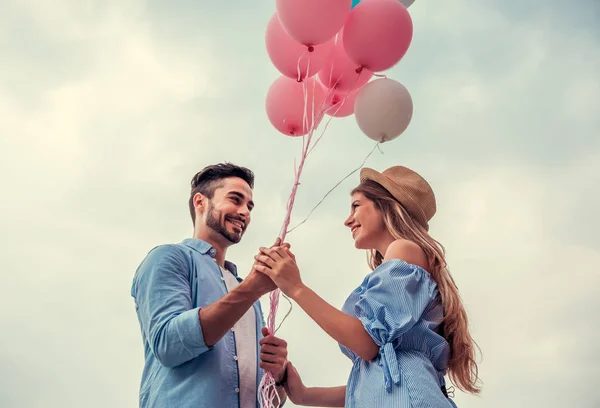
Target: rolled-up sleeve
{"type": "Point", "coordinates": [163, 297]}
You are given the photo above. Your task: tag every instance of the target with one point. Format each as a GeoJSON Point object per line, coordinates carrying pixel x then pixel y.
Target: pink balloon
{"type": "Point", "coordinates": [342, 104]}
{"type": "Point", "coordinates": [378, 33]}
{"type": "Point", "coordinates": [288, 55]}
{"type": "Point", "coordinates": [312, 22]}
{"type": "Point", "coordinates": [285, 104]}
{"type": "Point", "coordinates": [340, 72]}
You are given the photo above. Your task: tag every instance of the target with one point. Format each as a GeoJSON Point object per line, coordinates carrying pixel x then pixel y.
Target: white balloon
{"type": "Point", "coordinates": [383, 109]}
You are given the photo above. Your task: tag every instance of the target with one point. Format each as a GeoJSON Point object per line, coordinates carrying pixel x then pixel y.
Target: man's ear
{"type": "Point", "coordinates": [200, 202]}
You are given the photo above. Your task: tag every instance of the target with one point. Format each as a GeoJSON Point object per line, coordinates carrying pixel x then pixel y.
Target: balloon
{"type": "Point", "coordinates": [407, 3]}
{"type": "Point", "coordinates": [383, 109]}
{"type": "Point", "coordinates": [285, 104]}
{"type": "Point", "coordinates": [342, 104]}
{"type": "Point", "coordinates": [312, 22]}
{"type": "Point", "coordinates": [288, 55]}
{"type": "Point", "coordinates": [377, 34]}
{"type": "Point", "coordinates": [340, 72]}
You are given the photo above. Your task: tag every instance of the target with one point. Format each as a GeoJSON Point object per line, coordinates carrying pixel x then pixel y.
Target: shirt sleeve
{"type": "Point", "coordinates": [163, 297]}
{"type": "Point", "coordinates": [393, 299]}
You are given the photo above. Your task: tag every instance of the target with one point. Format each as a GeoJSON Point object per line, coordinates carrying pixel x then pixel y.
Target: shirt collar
{"type": "Point", "coordinates": [205, 248]}
{"type": "Point", "coordinates": [200, 246]}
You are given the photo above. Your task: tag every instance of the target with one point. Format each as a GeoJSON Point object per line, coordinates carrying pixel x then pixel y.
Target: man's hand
{"type": "Point", "coordinates": [259, 282]}
{"type": "Point", "coordinates": [273, 354]}
{"type": "Point", "coordinates": [219, 317]}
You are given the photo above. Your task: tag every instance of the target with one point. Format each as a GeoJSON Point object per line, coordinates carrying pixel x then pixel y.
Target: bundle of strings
{"type": "Point", "coordinates": [267, 392]}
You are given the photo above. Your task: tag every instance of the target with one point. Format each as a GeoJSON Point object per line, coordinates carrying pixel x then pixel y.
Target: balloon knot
{"type": "Point", "coordinates": [311, 48]}
{"type": "Point", "coordinates": [359, 70]}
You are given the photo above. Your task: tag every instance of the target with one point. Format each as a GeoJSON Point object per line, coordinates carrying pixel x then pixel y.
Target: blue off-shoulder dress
{"type": "Point", "coordinates": [399, 305]}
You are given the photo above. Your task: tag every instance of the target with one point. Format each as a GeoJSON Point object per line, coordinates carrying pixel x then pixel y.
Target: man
{"type": "Point", "coordinates": [200, 322]}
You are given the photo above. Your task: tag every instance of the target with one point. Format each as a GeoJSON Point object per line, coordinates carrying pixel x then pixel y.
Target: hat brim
{"type": "Point", "coordinates": [373, 175]}
{"type": "Point", "coordinates": [399, 194]}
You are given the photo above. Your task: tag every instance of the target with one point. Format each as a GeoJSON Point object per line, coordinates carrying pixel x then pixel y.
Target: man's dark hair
{"type": "Point", "coordinates": [210, 178]}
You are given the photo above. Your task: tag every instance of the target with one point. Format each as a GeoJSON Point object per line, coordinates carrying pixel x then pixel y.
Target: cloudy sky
{"type": "Point", "coordinates": [107, 109]}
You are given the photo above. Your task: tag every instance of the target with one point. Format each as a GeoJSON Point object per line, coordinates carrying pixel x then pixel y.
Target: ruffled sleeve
{"type": "Point", "coordinates": [392, 301]}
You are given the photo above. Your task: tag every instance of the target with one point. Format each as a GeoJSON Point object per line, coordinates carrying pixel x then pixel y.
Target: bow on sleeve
{"type": "Point", "coordinates": [395, 297]}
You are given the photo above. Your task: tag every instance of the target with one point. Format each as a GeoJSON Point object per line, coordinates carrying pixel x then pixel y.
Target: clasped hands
{"type": "Point", "coordinates": [279, 264]}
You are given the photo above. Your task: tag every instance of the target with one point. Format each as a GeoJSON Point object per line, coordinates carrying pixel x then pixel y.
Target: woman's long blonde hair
{"type": "Point", "coordinates": [462, 367]}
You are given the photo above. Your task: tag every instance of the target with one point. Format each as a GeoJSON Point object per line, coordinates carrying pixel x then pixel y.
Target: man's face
{"type": "Point", "coordinates": [228, 212]}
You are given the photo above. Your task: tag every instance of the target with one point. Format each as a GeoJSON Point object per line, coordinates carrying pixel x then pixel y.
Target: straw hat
{"type": "Point", "coordinates": [410, 189]}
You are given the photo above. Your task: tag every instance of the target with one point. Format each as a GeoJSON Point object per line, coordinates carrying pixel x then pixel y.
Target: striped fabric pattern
{"type": "Point", "coordinates": [400, 307]}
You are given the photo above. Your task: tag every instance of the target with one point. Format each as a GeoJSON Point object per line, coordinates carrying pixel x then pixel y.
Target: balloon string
{"type": "Point", "coordinates": [298, 69]}
{"type": "Point", "coordinates": [326, 106]}
{"type": "Point", "coordinates": [286, 314]}
{"type": "Point", "coordinates": [336, 185]}
{"type": "Point", "coordinates": [274, 296]}
{"type": "Point", "coordinates": [268, 394]}
{"type": "Point", "coordinates": [268, 391]}
{"type": "Point", "coordinates": [304, 117]}
{"type": "Point", "coordinates": [337, 36]}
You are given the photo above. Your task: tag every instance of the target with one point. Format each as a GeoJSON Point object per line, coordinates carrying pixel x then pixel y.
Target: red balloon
{"type": "Point", "coordinates": [342, 104]}
{"type": "Point", "coordinates": [340, 72]}
{"type": "Point", "coordinates": [289, 56]}
{"type": "Point", "coordinates": [286, 108]}
{"type": "Point", "coordinates": [377, 34]}
{"type": "Point", "coordinates": [312, 22]}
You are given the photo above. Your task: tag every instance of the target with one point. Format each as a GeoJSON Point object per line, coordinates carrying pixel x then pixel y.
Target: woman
{"type": "Point", "coordinates": [404, 327]}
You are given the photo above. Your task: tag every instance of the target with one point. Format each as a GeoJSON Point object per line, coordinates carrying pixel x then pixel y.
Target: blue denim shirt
{"type": "Point", "coordinates": [170, 286]}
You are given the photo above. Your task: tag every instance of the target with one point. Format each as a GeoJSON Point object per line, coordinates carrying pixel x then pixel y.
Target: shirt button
{"type": "Point", "coordinates": [235, 358]}
{"type": "Point", "coordinates": [237, 390]}
{"type": "Point", "coordinates": [232, 329]}
{"type": "Point", "coordinates": [222, 278]}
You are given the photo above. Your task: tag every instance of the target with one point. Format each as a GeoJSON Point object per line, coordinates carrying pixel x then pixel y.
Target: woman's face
{"type": "Point", "coordinates": [365, 222]}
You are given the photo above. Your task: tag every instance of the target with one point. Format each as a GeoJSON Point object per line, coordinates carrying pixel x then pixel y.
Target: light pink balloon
{"type": "Point", "coordinates": [342, 104]}
{"type": "Point", "coordinates": [377, 34]}
{"type": "Point", "coordinates": [285, 104]}
{"type": "Point", "coordinates": [340, 72]}
{"type": "Point", "coordinates": [383, 109]}
{"type": "Point", "coordinates": [312, 22]}
{"type": "Point", "coordinates": [288, 55]}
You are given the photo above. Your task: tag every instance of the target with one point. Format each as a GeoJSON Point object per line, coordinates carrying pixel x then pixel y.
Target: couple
{"type": "Point", "coordinates": [404, 327]}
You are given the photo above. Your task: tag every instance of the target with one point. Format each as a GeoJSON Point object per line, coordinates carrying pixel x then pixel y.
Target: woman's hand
{"type": "Point", "coordinates": [279, 264]}
{"type": "Point", "coordinates": [294, 387]}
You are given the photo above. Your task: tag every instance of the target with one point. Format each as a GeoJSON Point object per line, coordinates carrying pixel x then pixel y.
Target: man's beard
{"type": "Point", "coordinates": [213, 221]}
